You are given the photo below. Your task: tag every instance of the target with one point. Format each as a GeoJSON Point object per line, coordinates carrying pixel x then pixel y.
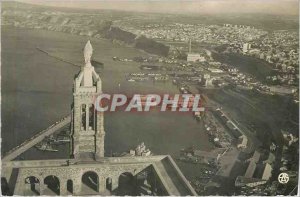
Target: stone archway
{"type": "Point", "coordinates": [53, 185]}
{"type": "Point", "coordinates": [90, 181]}
{"type": "Point", "coordinates": [70, 186]}
{"type": "Point", "coordinates": [126, 184]}
{"type": "Point", "coordinates": [32, 185]}
{"type": "Point", "coordinates": [109, 184]}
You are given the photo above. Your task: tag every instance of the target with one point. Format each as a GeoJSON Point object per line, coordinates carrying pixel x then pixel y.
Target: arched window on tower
{"type": "Point", "coordinates": [83, 117]}
{"type": "Point", "coordinates": [91, 117]}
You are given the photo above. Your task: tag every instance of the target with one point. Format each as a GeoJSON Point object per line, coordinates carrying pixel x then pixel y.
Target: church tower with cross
{"type": "Point", "coordinates": [87, 129]}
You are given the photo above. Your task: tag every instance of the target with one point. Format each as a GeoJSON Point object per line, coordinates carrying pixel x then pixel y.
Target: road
{"type": "Point", "coordinates": [172, 178]}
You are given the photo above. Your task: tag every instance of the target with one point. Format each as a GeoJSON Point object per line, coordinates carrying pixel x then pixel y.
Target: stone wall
{"type": "Point", "coordinates": [75, 173]}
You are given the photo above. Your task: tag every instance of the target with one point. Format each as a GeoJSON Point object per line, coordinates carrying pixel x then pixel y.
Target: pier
{"type": "Point", "coordinates": [13, 153]}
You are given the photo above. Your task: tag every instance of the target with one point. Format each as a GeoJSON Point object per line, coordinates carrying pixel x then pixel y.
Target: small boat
{"type": "Point", "coordinates": [63, 138]}
{"type": "Point", "coordinates": [45, 147]}
{"type": "Point", "coordinates": [60, 139]}
{"type": "Point", "coordinates": [50, 138]}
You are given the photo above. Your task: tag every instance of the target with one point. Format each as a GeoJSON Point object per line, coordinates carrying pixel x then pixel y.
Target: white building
{"type": "Point", "coordinates": [206, 76]}
{"type": "Point", "coordinates": [193, 57]}
{"type": "Point", "coordinates": [267, 172]}
{"type": "Point", "coordinates": [249, 182]}
{"type": "Point", "coordinates": [282, 89]}
{"type": "Point", "coordinates": [215, 70]}
{"type": "Point", "coordinates": [246, 47]}
{"type": "Point", "coordinates": [243, 141]}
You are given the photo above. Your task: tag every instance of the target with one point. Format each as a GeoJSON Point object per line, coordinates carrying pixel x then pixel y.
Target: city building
{"type": "Point", "coordinates": [246, 47]}
{"type": "Point", "coordinates": [252, 165]}
{"type": "Point", "coordinates": [267, 173]}
{"type": "Point", "coordinates": [270, 159]}
{"type": "Point", "coordinates": [249, 182]}
{"type": "Point", "coordinates": [194, 57]}
{"type": "Point", "coordinates": [282, 90]}
{"type": "Point", "coordinates": [215, 70]}
{"type": "Point", "coordinates": [242, 142]}
{"type": "Point", "coordinates": [257, 173]}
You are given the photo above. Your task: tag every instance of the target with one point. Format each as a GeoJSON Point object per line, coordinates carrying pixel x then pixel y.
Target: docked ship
{"type": "Point", "coordinates": [140, 150]}
{"type": "Point", "coordinates": [62, 139]}
{"type": "Point", "coordinates": [44, 146]}
{"type": "Point", "coordinates": [58, 140]}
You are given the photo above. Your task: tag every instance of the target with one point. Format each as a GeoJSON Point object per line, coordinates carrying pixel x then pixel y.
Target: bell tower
{"type": "Point", "coordinates": [87, 130]}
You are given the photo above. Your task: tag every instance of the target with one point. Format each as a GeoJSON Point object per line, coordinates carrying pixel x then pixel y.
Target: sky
{"type": "Point", "coordinates": [282, 7]}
